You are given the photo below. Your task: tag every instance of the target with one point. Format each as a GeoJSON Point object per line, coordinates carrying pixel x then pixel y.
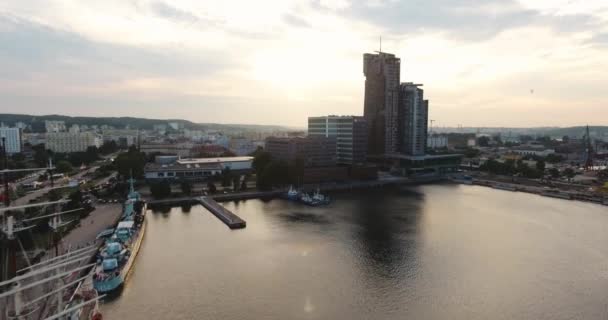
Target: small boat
{"type": "Point", "coordinates": [320, 199]}
{"type": "Point", "coordinates": [292, 193]}
{"type": "Point", "coordinates": [317, 199]}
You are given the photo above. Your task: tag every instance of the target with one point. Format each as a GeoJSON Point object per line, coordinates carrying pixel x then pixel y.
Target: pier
{"type": "Point", "coordinates": [230, 219]}
{"type": "Point", "coordinates": [226, 216]}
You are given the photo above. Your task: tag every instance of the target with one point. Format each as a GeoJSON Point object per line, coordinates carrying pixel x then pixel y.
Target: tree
{"type": "Point", "coordinates": [261, 159]}
{"type": "Point", "coordinates": [131, 161]}
{"type": "Point", "coordinates": [54, 195]}
{"type": "Point", "coordinates": [554, 158]}
{"type": "Point", "coordinates": [554, 172]}
{"type": "Point", "coordinates": [569, 173]}
{"type": "Point", "coordinates": [41, 155]}
{"type": "Point", "coordinates": [471, 153]}
{"type": "Point", "coordinates": [226, 177]}
{"type": "Point", "coordinates": [603, 175]}
{"type": "Point", "coordinates": [483, 141]}
{"type": "Point", "coordinates": [160, 190]}
{"type": "Point", "coordinates": [108, 147]}
{"type": "Point", "coordinates": [211, 187]}
{"type": "Point", "coordinates": [276, 173]}
{"type": "Point", "coordinates": [540, 165]}
{"type": "Point", "coordinates": [63, 166]}
{"type": "Point", "coordinates": [186, 187]}
{"type": "Point", "coordinates": [75, 200]}
{"type": "Point", "coordinates": [236, 179]}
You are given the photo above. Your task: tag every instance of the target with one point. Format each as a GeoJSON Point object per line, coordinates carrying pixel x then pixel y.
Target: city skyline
{"type": "Point", "coordinates": [483, 63]}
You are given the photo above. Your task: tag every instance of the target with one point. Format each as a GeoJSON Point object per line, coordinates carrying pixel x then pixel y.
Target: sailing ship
{"type": "Point", "coordinates": [54, 288]}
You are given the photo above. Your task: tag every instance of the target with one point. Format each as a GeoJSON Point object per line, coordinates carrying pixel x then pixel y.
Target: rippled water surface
{"type": "Point", "coordinates": [431, 252]}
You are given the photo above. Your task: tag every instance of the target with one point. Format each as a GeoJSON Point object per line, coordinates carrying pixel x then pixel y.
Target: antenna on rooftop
{"type": "Point", "coordinates": [380, 44]}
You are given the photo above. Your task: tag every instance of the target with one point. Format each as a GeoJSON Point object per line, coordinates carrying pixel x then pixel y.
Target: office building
{"type": "Point", "coordinates": [413, 120]}
{"type": "Point", "coordinates": [382, 76]}
{"type": "Point", "coordinates": [66, 142]}
{"type": "Point", "coordinates": [350, 133]}
{"type": "Point", "coordinates": [314, 151]}
{"type": "Point", "coordinates": [12, 138]}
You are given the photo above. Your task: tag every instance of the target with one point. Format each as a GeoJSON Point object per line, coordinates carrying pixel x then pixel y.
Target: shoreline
{"type": "Point", "coordinates": [540, 191]}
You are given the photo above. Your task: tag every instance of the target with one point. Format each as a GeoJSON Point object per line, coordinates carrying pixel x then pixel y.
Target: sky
{"type": "Point", "coordinates": [513, 63]}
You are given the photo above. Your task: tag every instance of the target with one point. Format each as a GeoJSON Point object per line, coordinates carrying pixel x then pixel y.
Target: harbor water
{"type": "Point", "coordinates": [428, 252]}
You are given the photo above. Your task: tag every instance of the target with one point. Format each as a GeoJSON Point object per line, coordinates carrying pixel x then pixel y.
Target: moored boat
{"type": "Point", "coordinates": [292, 193]}
{"type": "Point", "coordinates": [117, 256]}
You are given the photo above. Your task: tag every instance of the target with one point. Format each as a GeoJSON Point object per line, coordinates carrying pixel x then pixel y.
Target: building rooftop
{"type": "Point", "coordinates": [212, 160]}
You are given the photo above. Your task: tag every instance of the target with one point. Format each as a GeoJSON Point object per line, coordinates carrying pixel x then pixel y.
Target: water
{"type": "Point", "coordinates": [431, 252]}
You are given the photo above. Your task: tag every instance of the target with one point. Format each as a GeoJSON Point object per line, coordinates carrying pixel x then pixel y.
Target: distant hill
{"type": "Point", "coordinates": [37, 123]}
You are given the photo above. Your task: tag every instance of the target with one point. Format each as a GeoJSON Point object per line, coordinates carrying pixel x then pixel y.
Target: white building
{"type": "Point", "coordinates": [196, 135]}
{"type": "Point", "coordinates": [471, 142]}
{"type": "Point", "coordinates": [530, 151]}
{"type": "Point", "coordinates": [74, 129]}
{"type": "Point", "coordinates": [65, 142]}
{"type": "Point", "coordinates": [181, 149]}
{"type": "Point", "coordinates": [124, 138]}
{"type": "Point", "coordinates": [197, 168]}
{"type": "Point", "coordinates": [54, 126]}
{"type": "Point", "coordinates": [176, 126]}
{"type": "Point", "coordinates": [437, 141]}
{"type": "Point", "coordinates": [13, 139]}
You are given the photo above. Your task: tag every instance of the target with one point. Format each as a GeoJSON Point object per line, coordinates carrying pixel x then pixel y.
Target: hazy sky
{"type": "Point", "coordinates": [483, 62]}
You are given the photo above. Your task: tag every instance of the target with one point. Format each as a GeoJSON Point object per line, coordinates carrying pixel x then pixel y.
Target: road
{"type": "Point", "coordinates": [104, 216]}
{"type": "Point", "coordinates": [37, 193]}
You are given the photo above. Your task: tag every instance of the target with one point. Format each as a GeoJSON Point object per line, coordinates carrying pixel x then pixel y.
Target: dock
{"type": "Point", "coordinates": [230, 219]}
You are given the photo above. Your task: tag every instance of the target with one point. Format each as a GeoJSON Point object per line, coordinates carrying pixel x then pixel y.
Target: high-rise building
{"type": "Point", "coordinates": [12, 138]}
{"type": "Point", "coordinates": [382, 74]}
{"type": "Point", "coordinates": [350, 133]}
{"type": "Point", "coordinates": [413, 120]}
{"type": "Point", "coordinates": [314, 151]}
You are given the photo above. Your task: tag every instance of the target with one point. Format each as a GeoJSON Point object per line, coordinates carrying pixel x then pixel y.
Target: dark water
{"type": "Point", "coordinates": [432, 252]}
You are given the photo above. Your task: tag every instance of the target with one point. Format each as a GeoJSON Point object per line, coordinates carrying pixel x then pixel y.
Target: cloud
{"type": "Point", "coordinates": [169, 12]}
{"type": "Point", "coordinates": [463, 19]}
{"type": "Point", "coordinates": [28, 48]}
{"type": "Point", "coordinates": [600, 39]}
{"type": "Point", "coordinates": [295, 21]}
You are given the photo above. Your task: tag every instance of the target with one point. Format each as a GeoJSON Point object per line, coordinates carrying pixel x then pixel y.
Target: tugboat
{"type": "Point", "coordinates": [317, 199]}
{"type": "Point", "coordinates": [293, 194]}
{"type": "Point", "coordinates": [320, 199]}
{"type": "Point", "coordinates": [117, 256]}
